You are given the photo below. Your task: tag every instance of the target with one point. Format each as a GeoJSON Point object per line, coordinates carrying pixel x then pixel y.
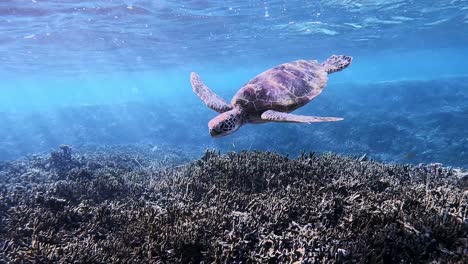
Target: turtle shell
{"type": "Point", "coordinates": [285, 87]}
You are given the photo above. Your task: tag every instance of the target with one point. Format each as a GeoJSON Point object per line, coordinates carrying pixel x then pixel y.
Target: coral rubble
{"type": "Point", "coordinates": [248, 207]}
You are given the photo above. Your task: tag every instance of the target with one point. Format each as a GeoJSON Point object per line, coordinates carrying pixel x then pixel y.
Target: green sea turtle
{"type": "Point", "coordinates": [271, 95]}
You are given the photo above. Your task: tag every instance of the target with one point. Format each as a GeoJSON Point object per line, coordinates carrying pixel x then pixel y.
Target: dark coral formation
{"type": "Point", "coordinates": [249, 207]}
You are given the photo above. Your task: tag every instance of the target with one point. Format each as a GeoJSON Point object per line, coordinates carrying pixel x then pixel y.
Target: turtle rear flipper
{"type": "Point", "coordinates": [275, 116]}
{"type": "Point", "coordinates": [337, 63]}
{"type": "Point", "coordinates": [211, 99]}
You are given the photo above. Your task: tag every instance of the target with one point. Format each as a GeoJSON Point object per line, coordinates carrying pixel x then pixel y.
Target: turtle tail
{"type": "Point", "coordinates": [337, 63]}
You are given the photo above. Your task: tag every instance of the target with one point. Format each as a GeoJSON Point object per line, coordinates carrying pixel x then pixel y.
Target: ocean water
{"type": "Point", "coordinates": [106, 156]}
{"type": "Point", "coordinates": [112, 72]}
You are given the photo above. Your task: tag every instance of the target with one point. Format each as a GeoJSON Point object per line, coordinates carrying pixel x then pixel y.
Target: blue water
{"type": "Point", "coordinates": [90, 73]}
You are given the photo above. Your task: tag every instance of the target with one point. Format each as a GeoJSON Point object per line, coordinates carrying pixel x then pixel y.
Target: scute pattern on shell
{"type": "Point", "coordinates": [285, 87]}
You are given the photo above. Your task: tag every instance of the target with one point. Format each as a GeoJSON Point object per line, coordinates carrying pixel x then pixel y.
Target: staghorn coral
{"type": "Point", "coordinates": [129, 205]}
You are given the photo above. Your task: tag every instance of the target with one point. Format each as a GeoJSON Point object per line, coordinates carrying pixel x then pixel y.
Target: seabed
{"type": "Point", "coordinates": [135, 204]}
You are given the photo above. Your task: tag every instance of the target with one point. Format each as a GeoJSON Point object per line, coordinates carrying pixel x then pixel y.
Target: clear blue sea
{"type": "Point", "coordinates": [113, 72]}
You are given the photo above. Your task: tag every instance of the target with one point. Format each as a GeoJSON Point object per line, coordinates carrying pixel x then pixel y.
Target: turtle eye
{"type": "Point", "coordinates": [224, 126]}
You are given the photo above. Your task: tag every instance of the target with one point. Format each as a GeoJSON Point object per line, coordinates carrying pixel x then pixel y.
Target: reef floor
{"type": "Point", "coordinates": [136, 205]}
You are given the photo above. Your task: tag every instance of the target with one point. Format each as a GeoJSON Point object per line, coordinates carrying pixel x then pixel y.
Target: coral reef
{"type": "Point", "coordinates": [137, 205]}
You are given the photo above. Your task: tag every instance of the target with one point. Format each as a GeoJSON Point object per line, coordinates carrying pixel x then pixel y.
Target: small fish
{"type": "Point", "coordinates": [233, 145]}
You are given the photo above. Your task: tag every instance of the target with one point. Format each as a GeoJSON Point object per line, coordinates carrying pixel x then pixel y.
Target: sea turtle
{"type": "Point", "coordinates": [271, 95]}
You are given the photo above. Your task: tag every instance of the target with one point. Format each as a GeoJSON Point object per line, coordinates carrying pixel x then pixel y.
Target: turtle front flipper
{"type": "Point", "coordinates": [212, 100]}
{"type": "Point", "coordinates": [275, 116]}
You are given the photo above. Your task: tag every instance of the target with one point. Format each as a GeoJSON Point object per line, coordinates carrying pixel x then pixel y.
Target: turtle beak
{"type": "Point", "coordinates": [215, 133]}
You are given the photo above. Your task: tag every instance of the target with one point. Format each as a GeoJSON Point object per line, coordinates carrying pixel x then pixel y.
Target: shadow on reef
{"type": "Point", "coordinates": [140, 205]}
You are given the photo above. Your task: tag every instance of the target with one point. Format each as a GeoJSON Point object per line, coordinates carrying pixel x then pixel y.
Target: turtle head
{"type": "Point", "coordinates": [226, 123]}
